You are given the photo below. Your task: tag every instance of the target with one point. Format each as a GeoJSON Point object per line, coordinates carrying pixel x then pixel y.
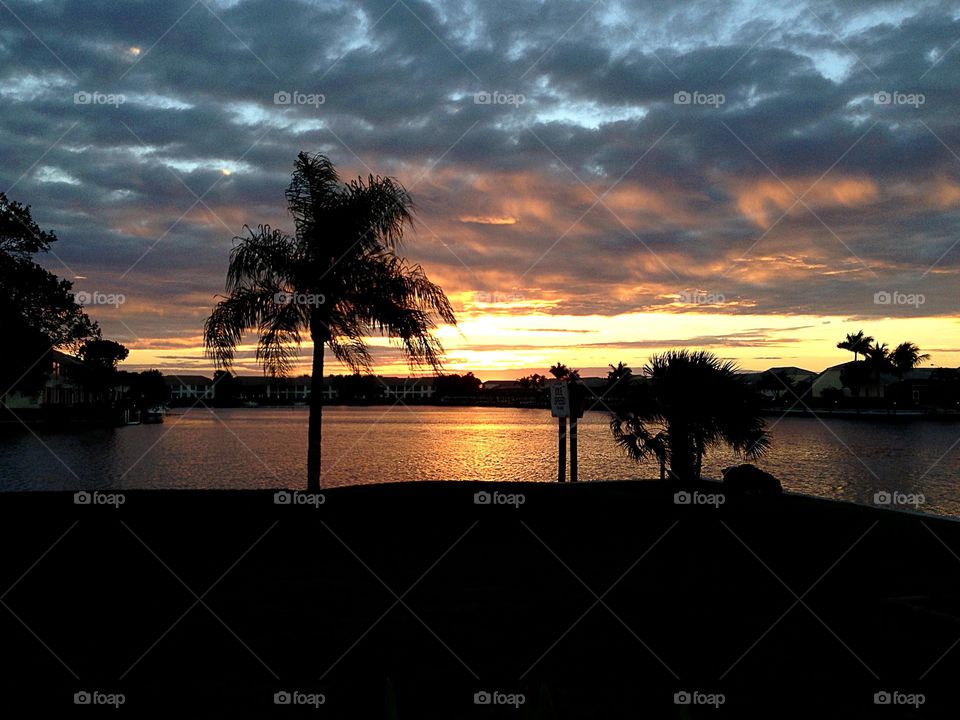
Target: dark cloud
{"type": "Point", "coordinates": [799, 194]}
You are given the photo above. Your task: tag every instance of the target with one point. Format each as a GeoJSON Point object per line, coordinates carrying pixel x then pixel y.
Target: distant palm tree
{"type": "Point", "coordinates": [690, 402]}
{"type": "Point", "coordinates": [339, 280]}
{"type": "Point", "coordinates": [857, 343]}
{"type": "Point", "coordinates": [562, 372]}
{"type": "Point", "coordinates": [877, 358]}
{"type": "Point", "coordinates": [618, 382]}
{"type": "Point", "coordinates": [618, 374]}
{"type": "Point", "coordinates": [906, 356]}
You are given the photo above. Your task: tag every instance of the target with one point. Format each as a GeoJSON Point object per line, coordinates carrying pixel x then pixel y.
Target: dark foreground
{"type": "Point", "coordinates": [411, 601]}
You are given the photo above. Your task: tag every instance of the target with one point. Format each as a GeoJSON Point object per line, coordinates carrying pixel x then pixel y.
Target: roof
{"type": "Point", "coordinates": [410, 381]}
{"type": "Point", "coordinates": [187, 380]}
{"type": "Point", "coordinates": [792, 370]}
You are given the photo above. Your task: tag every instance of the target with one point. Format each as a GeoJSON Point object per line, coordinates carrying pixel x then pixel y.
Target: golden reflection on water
{"type": "Point", "coordinates": [266, 447]}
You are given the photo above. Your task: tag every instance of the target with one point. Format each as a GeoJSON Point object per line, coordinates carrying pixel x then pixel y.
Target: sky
{"type": "Point", "coordinates": [595, 181]}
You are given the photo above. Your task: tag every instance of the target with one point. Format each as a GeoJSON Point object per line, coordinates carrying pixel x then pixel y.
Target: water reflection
{"type": "Point", "coordinates": [265, 447]}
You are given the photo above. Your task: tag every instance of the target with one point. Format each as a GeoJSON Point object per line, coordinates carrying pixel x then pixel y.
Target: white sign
{"type": "Point", "coordinates": [559, 400]}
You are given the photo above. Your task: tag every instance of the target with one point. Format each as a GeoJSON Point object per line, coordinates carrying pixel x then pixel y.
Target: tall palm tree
{"type": "Point", "coordinates": [692, 400]}
{"type": "Point", "coordinates": [906, 356]}
{"type": "Point", "coordinates": [857, 343]}
{"type": "Point", "coordinates": [337, 280]}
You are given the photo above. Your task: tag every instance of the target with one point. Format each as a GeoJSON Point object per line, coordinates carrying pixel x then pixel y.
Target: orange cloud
{"type": "Point", "coordinates": [765, 200]}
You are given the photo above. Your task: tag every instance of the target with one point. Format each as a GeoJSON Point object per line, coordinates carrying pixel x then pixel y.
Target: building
{"type": "Point", "coordinates": [414, 388]}
{"type": "Point", "coordinates": [844, 379]}
{"type": "Point", "coordinates": [267, 390]}
{"type": "Point", "coordinates": [65, 387]}
{"type": "Point", "coordinates": [189, 387]}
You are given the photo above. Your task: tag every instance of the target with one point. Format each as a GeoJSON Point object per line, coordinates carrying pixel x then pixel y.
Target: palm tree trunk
{"type": "Point", "coordinates": [315, 424]}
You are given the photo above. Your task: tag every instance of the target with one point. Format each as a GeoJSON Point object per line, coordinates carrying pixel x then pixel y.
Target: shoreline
{"type": "Point", "coordinates": [491, 595]}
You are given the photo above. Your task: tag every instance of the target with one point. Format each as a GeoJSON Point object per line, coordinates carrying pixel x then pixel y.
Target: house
{"type": "Point", "coordinates": [395, 388]}
{"type": "Point", "coordinates": [65, 387]}
{"type": "Point", "coordinates": [265, 390]}
{"type": "Point", "coordinates": [843, 379]}
{"type": "Point", "coordinates": [189, 387]}
{"type": "Point", "coordinates": [781, 383]}
{"type": "Point", "coordinates": [920, 386]}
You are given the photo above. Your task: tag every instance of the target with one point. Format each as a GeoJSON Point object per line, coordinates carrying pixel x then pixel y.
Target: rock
{"type": "Point", "coordinates": [748, 479]}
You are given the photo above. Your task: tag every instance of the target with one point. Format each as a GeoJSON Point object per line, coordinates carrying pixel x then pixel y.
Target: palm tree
{"type": "Point", "coordinates": [690, 402]}
{"type": "Point", "coordinates": [906, 356]}
{"type": "Point", "coordinates": [857, 343]}
{"type": "Point", "coordinates": [877, 357]}
{"type": "Point", "coordinates": [562, 372]}
{"type": "Point", "coordinates": [338, 280]}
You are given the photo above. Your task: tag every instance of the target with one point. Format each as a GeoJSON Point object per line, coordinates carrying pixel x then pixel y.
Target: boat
{"type": "Point", "coordinates": [152, 416]}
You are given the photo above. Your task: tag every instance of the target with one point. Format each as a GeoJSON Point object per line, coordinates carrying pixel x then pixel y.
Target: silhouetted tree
{"type": "Point", "coordinates": [225, 388]}
{"type": "Point", "coordinates": [857, 343]}
{"type": "Point", "coordinates": [102, 354]}
{"type": "Point", "coordinates": [562, 372]}
{"type": "Point", "coordinates": [906, 356]}
{"type": "Point", "coordinates": [148, 389]}
{"type": "Point", "coordinates": [854, 376]}
{"type": "Point", "coordinates": [38, 311]}
{"type": "Point", "coordinates": [533, 382]}
{"type": "Point", "coordinates": [100, 360]}
{"type": "Point", "coordinates": [456, 385]}
{"type": "Point", "coordinates": [618, 380]}
{"type": "Point", "coordinates": [690, 402]}
{"type": "Point", "coordinates": [877, 358]}
{"type": "Point", "coordinates": [338, 280]}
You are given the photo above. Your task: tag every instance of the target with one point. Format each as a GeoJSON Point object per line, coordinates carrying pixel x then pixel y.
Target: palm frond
{"type": "Point", "coordinates": [261, 259]}
{"type": "Point", "coordinates": [231, 317]}
{"type": "Point", "coordinates": [280, 335]}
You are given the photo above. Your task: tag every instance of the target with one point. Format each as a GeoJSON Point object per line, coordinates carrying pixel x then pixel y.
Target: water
{"type": "Point", "coordinates": [266, 447]}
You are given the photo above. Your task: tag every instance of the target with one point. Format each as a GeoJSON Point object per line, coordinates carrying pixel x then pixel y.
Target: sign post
{"type": "Point", "coordinates": [560, 408]}
{"type": "Point", "coordinates": [573, 447]}
{"type": "Point", "coordinates": [576, 393]}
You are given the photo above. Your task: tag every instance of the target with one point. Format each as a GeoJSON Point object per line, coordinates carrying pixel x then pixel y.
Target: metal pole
{"type": "Point", "coordinates": [562, 457]}
{"type": "Point", "coordinates": [573, 447]}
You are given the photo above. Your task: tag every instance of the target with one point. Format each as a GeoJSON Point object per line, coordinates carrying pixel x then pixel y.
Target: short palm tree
{"type": "Point", "coordinates": [337, 280]}
{"type": "Point", "coordinates": [906, 356]}
{"type": "Point", "coordinates": [857, 343]}
{"type": "Point", "coordinates": [689, 402]}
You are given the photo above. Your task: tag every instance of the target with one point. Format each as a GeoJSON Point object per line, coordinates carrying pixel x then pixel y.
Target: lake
{"type": "Point", "coordinates": [266, 447]}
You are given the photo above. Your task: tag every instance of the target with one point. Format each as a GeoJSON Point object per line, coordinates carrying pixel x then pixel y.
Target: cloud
{"type": "Point", "coordinates": [599, 193]}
